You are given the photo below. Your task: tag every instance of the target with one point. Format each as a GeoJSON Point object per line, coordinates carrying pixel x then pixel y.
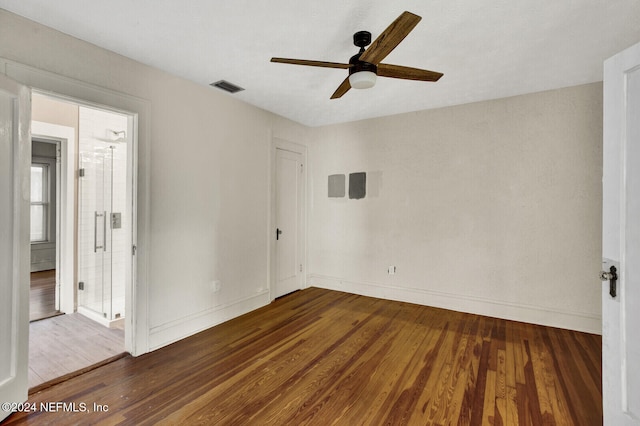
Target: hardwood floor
{"type": "Point", "coordinates": [324, 357]}
{"type": "Point", "coordinates": [62, 346]}
{"type": "Point", "coordinates": [42, 295]}
{"type": "Point", "coordinates": [65, 344]}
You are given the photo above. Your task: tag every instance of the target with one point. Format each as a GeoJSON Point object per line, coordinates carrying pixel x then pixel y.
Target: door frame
{"type": "Point", "coordinates": [277, 143]}
{"type": "Point", "coordinates": [64, 88]}
{"type": "Point", "coordinates": [65, 215]}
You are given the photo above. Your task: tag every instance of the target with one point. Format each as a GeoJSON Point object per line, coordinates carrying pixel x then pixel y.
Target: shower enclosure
{"type": "Point", "coordinates": [102, 215]}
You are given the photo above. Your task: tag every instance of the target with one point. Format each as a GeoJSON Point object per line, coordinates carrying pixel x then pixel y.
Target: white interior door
{"type": "Point", "coordinates": [15, 162]}
{"type": "Point", "coordinates": [621, 239]}
{"type": "Point", "coordinates": [289, 196]}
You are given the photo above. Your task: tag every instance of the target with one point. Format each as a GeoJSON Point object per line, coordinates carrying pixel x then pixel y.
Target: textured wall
{"type": "Point", "coordinates": [492, 207]}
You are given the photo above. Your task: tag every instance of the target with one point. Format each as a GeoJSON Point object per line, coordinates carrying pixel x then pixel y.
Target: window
{"type": "Point", "coordinates": [39, 202]}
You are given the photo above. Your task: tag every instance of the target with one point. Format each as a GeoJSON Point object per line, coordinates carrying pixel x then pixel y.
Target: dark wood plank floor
{"type": "Point", "coordinates": [42, 295]}
{"type": "Point", "coordinates": [323, 357]}
{"type": "Point", "coordinates": [62, 345]}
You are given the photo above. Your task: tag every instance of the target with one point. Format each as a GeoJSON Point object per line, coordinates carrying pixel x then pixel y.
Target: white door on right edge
{"type": "Point", "coordinates": [289, 187]}
{"type": "Point", "coordinates": [621, 239]}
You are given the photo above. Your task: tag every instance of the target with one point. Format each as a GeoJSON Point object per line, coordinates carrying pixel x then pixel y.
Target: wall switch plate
{"type": "Point", "coordinates": [391, 270]}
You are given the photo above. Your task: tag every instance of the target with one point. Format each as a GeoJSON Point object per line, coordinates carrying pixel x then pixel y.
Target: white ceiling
{"type": "Point", "coordinates": [486, 49]}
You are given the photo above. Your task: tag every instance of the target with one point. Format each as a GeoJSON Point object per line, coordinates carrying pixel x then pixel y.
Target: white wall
{"type": "Point", "coordinates": [492, 207]}
{"type": "Point", "coordinates": [209, 180]}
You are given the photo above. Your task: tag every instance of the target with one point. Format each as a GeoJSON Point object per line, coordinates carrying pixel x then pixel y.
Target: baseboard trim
{"type": "Point", "coordinates": [578, 321]}
{"type": "Point", "coordinates": [44, 265]}
{"type": "Point", "coordinates": [172, 331]}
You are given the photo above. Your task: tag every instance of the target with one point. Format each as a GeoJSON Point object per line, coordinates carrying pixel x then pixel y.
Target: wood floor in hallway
{"type": "Point", "coordinates": [42, 295]}
{"type": "Point", "coordinates": [324, 357]}
{"type": "Point", "coordinates": [65, 344]}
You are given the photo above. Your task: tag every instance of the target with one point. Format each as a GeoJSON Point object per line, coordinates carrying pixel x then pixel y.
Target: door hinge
{"type": "Point", "coordinates": [81, 172]}
{"type": "Point", "coordinates": [301, 267]}
{"type": "Point", "coordinates": [134, 249]}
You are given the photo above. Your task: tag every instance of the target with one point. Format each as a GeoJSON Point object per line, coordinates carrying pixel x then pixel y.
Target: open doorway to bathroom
{"type": "Point", "coordinates": [45, 182]}
{"type": "Point", "coordinates": [82, 228]}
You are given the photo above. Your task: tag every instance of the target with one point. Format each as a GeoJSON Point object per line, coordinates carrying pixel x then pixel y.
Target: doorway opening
{"type": "Point", "coordinates": [82, 216]}
{"type": "Point", "coordinates": [45, 188]}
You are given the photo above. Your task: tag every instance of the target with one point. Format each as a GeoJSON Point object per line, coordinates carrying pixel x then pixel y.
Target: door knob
{"type": "Point", "coordinates": [612, 277]}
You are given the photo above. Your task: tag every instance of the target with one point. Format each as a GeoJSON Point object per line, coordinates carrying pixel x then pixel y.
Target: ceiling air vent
{"type": "Point", "coordinates": [226, 86]}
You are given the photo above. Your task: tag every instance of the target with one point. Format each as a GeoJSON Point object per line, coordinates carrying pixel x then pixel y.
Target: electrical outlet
{"type": "Point", "coordinates": [391, 270]}
{"type": "Point", "coordinates": [215, 286]}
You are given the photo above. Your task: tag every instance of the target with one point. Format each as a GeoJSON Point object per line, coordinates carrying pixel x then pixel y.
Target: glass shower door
{"type": "Point", "coordinates": [103, 209]}
{"type": "Point", "coordinates": [95, 251]}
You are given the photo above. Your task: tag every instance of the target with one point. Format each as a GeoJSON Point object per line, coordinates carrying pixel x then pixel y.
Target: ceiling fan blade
{"type": "Point", "coordinates": [342, 89]}
{"type": "Point", "coordinates": [311, 63]}
{"type": "Point", "coordinates": [390, 38]}
{"type": "Point", "coordinates": [407, 73]}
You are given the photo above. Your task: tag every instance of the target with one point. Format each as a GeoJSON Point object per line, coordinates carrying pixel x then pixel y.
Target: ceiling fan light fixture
{"type": "Point", "coordinates": [365, 66]}
{"type": "Point", "coordinates": [362, 79]}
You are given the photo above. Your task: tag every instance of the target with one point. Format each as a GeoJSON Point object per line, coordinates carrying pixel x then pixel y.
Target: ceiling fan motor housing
{"type": "Point", "coordinates": [361, 39]}
{"type": "Point", "coordinates": [359, 65]}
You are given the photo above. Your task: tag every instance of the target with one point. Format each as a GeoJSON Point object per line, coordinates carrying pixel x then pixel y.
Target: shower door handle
{"type": "Point", "coordinates": [104, 231]}
{"type": "Point", "coordinates": [103, 215]}
{"type": "Point", "coordinates": [95, 232]}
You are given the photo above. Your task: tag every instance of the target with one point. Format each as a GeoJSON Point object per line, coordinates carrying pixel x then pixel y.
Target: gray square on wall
{"type": "Point", "coordinates": [336, 186]}
{"type": "Point", "coordinates": [357, 185]}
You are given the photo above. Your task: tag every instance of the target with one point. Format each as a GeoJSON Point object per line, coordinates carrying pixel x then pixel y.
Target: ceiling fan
{"type": "Point", "coordinates": [365, 66]}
